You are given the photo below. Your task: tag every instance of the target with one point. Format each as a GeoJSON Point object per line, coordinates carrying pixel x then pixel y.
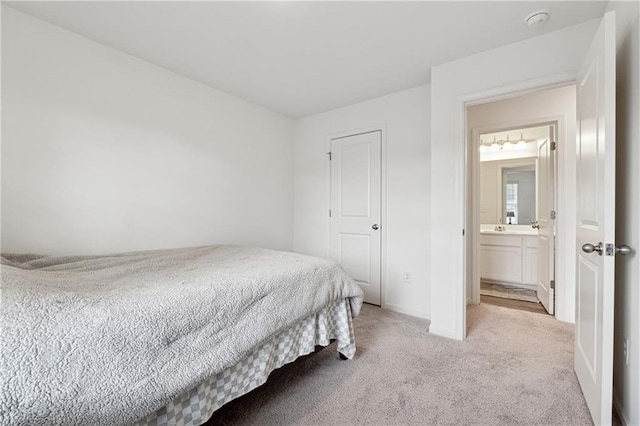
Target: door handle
{"type": "Point", "coordinates": [375, 227]}
{"type": "Point", "coordinates": [590, 248]}
{"type": "Point", "coordinates": [623, 250]}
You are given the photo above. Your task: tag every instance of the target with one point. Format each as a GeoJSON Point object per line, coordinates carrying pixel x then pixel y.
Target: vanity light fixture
{"type": "Point", "coordinates": [507, 144]}
{"type": "Point", "coordinates": [522, 143]}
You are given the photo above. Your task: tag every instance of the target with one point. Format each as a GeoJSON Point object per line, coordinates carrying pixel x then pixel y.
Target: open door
{"type": "Point", "coordinates": [545, 182]}
{"type": "Point", "coordinates": [595, 227]}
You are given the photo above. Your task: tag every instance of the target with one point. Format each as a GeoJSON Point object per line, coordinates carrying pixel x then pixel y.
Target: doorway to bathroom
{"type": "Point", "coordinates": [516, 200]}
{"type": "Point", "coordinates": [517, 164]}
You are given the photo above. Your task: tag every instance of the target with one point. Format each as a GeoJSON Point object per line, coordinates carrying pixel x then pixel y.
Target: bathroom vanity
{"type": "Point", "coordinates": [509, 256]}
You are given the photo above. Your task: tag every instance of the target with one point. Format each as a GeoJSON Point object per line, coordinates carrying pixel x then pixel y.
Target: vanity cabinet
{"type": "Point", "coordinates": [510, 259]}
{"type": "Point", "coordinates": [530, 261]}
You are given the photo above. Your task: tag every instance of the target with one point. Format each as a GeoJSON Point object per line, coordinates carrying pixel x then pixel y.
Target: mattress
{"type": "Point", "coordinates": [197, 405]}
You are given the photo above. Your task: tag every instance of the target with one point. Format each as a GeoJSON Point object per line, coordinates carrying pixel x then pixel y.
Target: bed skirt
{"type": "Point", "coordinates": [197, 405]}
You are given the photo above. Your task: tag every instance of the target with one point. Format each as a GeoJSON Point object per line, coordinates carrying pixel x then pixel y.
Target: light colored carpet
{"type": "Point", "coordinates": [508, 292]}
{"type": "Point", "coordinates": [515, 367]}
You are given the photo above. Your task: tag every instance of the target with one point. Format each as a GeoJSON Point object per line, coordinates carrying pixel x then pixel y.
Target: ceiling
{"type": "Point", "coordinates": [302, 58]}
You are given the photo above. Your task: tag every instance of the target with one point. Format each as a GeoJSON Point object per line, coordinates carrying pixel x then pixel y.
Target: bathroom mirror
{"type": "Point", "coordinates": [518, 195]}
{"type": "Point", "coordinates": [508, 191]}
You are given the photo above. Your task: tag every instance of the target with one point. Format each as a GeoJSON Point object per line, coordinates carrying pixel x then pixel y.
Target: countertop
{"type": "Point", "coordinates": [520, 230]}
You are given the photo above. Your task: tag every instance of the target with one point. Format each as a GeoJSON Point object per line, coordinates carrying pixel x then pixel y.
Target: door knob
{"type": "Point", "coordinates": [590, 248]}
{"type": "Point", "coordinates": [623, 250]}
{"type": "Point", "coordinates": [374, 227]}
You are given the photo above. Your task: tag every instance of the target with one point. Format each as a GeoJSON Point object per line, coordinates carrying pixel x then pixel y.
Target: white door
{"type": "Point", "coordinates": [356, 209]}
{"type": "Point", "coordinates": [546, 221]}
{"type": "Point", "coordinates": [595, 222]}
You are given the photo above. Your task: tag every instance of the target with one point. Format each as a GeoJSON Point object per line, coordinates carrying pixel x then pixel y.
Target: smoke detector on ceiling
{"type": "Point", "coordinates": [537, 18]}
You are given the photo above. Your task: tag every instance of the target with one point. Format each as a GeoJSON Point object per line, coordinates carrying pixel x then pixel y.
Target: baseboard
{"type": "Point", "coordinates": [617, 405]}
{"type": "Point", "coordinates": [401, 310]}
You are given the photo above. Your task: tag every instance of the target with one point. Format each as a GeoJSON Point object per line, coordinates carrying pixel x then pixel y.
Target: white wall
{"type": "Point", "coordinates": [627, 298]}
{"type": "Point", "coordinates": [102, 152]}
{"type": "Point", "coordinates": [550, 58]}
{"type": "Point", "coordinates": [405, 117]}
{"type": "Point", "coordinates": [540, 106]}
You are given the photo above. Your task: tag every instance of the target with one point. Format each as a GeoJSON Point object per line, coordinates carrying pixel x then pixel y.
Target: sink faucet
{"type": "Point", "coordinates": [499, 228]}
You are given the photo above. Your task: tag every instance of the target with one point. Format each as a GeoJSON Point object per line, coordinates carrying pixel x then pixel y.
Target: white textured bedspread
{"type": "Point", "coordinates": [109, 339]}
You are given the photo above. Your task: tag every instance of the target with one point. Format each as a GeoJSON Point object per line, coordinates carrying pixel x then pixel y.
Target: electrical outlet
{"type": "Point", "coordinates": [626, 350]}
{"type": "Point", "coordinates": [406, 277]}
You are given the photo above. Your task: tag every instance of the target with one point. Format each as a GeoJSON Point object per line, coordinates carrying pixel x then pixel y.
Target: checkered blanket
{"type": "Point", "coordinates": [111, 339]}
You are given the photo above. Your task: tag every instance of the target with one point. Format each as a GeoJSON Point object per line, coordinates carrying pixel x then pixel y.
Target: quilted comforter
{"type": "Point", "coordinates": [110, 339]}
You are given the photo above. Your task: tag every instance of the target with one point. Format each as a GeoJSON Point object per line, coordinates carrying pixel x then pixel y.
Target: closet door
{"type": "Point", "coordinates": [356, 209]}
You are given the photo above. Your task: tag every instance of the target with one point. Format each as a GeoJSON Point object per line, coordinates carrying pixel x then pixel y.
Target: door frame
{"type": "Point", "coordinates": [382, 128]}
{"type": "Point", "coordinates": [474, 164]}
{"type": "Point", "coordinates": [464, 164]}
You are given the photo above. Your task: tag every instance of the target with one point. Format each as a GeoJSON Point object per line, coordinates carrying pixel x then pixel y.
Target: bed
{"type": "Point", "coordinates": [160, 337]}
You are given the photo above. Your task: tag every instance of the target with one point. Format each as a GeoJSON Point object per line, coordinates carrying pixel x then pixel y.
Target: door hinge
{"type": "Point", "coordinates": [463, 232]}
{"type": "Point", "coordinates": [553, 146]}
{"type": "Point", "coordinates": [552, 215]}
{"type": "Point", "coordinates": [329, 212]}
{"type": "Point", "coordinates": [329, 154]}
{"type": "Point", "coordinates": [552, 284]}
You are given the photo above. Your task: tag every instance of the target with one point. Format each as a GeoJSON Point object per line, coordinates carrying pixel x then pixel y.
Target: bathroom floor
{"type": "Point", "coordinates": [508, 292]}
{"type": "Point", "coordinates": [514, 304]}
{"type": "Point", "coordinates": [510, 297]}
